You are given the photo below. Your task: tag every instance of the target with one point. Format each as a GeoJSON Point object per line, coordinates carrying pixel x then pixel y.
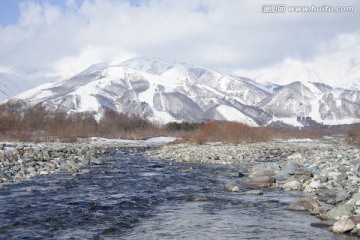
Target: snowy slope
{"type": "Point", "coordinates": [168, 91]}
{"type": "Point", "coordinates": [322, 103]}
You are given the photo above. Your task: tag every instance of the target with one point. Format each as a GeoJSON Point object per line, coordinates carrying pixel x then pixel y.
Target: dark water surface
{"type": "Point", "coordinates": [130, 197]}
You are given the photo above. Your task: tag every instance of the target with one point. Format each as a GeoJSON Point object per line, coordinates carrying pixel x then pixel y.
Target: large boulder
{"type": "Point", "coordinates": [265, 169]}
{"type": "Point", "coordinates": [288, 169]}
{"type": "Point", "coordinates": [344, 225]}
{"type": "Point", "coordinates": [340, 211]}
{"type": "Point", "coordinates": [304, 204]}
{"type": "Point", "coordinates": [292, 185]}
{"type": "Point", "coordinates": [232, 187]}
{"type": "Point", "coordinates": [260, 182]}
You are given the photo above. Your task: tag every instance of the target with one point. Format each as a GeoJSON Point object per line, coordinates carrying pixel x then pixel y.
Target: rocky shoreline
{"type": "Point", "coordinates": [21, 161]}
{"type": "Point", "coordinates": [328, 169]}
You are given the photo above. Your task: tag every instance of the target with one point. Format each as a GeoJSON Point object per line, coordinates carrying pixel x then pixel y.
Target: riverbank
{"type": "Point", "coordinates": [327, 168]}
{"type": "Point", "coordinates": [21, 161]}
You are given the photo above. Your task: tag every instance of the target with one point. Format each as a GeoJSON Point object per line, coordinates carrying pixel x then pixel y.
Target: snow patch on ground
{"type": "Point", "coordinates": [119, 140]}
{"type": "Point", "coordinates": [299, 140]}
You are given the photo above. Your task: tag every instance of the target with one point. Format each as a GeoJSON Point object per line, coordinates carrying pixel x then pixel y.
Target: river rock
{"type": "Point", "coordinates": [303, 173]}
{"type": "Point", "coordinates": [254, 192]}
{"type": "Point", "coordinates": [232, 187]}
{"type": "Point", "coordinates": [295, 156]}
{"type": "Point", "coordinates": [304, 204]}
{"type": "Point", "coordinates": [343, 210]}
{"type": "Point", "coordinates": [341, 196]}
{"type": "Point", "coordinates": [260, 182]}
{"type": "Point", "coordinates": [293, 185]}
{"type": "Point", "coordinates": [341, 177]}
{"type": "Point", "coordinates": [288, 169]}
{"type": "Point", "coordinates": [4, 177]}
{"type": "Point", "coordinates": [354, 199]}
{"type": "Point", "coordinates": [19, 146]}
{"type": "Point", "coordinates": [356, 219]}
{"type": "Point", "coordinates": [65, 167]}
{"type": "Point", "coordinates": [333, 175]}
{"type": "Point", "coordinates": [96, 161]}
{"type": "Point", "coordinates": [85, 161]}
{"type": "Point", "coordinates": [314, 184]}
{"type": "Point", "coordinates": [265, 169]}
{"type": "Point", "coordinates": [342, 226]}
{"type": "Point", "coordinates": [85, 170]}
{"type": "Point", "coordinates": [31, 170]}
{"type": "Point", "coordinates": [323, 179]}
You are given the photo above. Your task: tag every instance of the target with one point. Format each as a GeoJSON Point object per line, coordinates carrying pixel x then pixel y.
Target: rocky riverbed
{"type": "Point", "coordinates": [327, 168]}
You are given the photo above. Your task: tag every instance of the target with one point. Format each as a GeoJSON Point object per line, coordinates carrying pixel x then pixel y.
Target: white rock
{"type": "Point", "coordinates": [293, 185]}
{"type": "Point", "coordinates": [333, 175]}
{"type": "Point", "coordinates": [342, 226]}
{"type": "Point", "coordinates": [232, 187]}
{"type": "Point", "coordinates": [314, 184]}
{"type": "Point", "coordinates": [295, 156]}
{"type": "Point", "coordinates": [308, 189]}
{"type": "Point", "coordinates": [325, 171]}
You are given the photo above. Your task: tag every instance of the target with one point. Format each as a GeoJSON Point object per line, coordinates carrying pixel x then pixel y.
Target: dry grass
{"type": "Point", "coordinates": [233, 132]}
{"type": "Point", "coordinates": [287, 133]}
{"type": "Point", "coordinates": [354, 132]}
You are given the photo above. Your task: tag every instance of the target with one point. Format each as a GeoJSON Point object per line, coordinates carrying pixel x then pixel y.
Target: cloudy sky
{"type": "Point", "coordinates": [65, 36]}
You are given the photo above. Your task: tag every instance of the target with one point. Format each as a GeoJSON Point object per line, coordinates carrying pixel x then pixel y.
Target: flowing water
{"type": "Point", "coordinates": [131, 197]}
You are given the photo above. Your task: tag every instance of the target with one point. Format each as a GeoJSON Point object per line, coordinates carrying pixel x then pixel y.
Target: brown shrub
{"type": "Point", "coordinates": [286, 133]}
{"type": "Point", "coordinates": [234, 132]}
{"type": "Point", "coordinates": [354, 132]}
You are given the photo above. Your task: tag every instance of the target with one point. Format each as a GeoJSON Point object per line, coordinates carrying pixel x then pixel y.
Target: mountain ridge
{"type": "Point", "coordinates": [168, 91]}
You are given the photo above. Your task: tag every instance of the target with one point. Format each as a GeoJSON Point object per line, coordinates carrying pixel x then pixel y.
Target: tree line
{"type": "Point", "coordinates": [19, 123]}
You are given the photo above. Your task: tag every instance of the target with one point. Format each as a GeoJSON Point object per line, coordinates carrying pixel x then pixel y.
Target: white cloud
{"type": "Point", "coordinates": [336, 63]}
{"type": "Point", "coordinates": [222, 34]}
{"type": "Point", "coordinates": [71, 65]}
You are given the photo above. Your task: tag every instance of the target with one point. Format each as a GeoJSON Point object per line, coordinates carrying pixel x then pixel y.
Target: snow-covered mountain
{"type": "Point", "coordinates": [322, 103]}
{"type": "Point", "coordinates": [164, 91]}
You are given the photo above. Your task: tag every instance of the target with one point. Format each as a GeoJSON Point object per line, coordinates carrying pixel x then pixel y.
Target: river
{"type": "Point", "coordinates": [132, 197]}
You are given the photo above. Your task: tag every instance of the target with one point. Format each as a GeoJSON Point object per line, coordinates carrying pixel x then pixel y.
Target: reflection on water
{"type": "Point", "coordinates": [130, 197]}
